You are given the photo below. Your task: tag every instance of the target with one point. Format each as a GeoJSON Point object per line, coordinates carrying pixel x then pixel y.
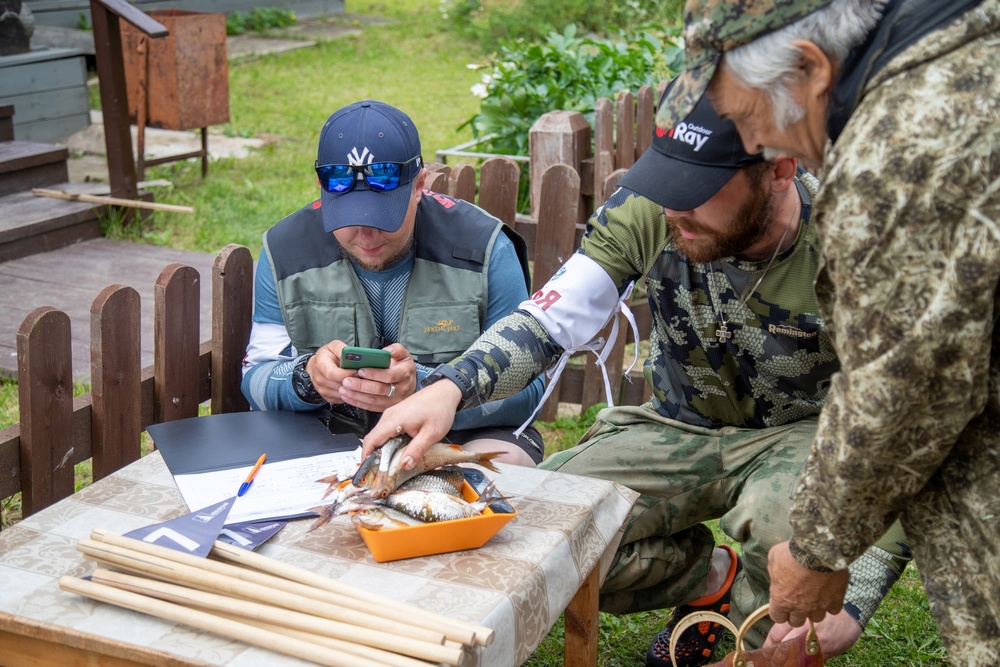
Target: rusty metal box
{"type": "Point", "coordinates": [188, 74]}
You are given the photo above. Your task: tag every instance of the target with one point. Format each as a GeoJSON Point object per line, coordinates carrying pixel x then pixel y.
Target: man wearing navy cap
{"type": "Point", "coordinates": [380, 262]}
{"type": "Point", "coordinates": [739, 366]}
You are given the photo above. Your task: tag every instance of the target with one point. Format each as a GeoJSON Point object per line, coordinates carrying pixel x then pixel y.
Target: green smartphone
{"type": "Point", "coordinates": [364, 357]}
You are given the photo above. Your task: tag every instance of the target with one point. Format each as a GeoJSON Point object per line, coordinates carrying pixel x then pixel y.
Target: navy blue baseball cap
{"type": "Point", "coordinates": [689, 162]}
{"type": "Point", "coordinates": [365, 134]}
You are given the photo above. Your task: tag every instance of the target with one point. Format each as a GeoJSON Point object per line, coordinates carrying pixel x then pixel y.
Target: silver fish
{"type": "Point", "coordinates": [383, 518]}
{"type": "Point", "coordinates": [444, 480]}
{"type": "Point", "coordinates": [372, 463]}
{"type": "Point", "coordinates": [389, 477]}
{"type": "Point", "coordinates": [428, 506]}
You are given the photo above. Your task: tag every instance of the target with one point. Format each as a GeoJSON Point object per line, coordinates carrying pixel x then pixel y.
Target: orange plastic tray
{"type": "Point", "coordinates": [435, 538]}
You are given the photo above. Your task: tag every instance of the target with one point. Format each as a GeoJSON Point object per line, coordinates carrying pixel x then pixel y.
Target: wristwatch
{"type": "Point", "coordinates": [302, 384]}
{"type": "Point", "coordinates": [453, 374]}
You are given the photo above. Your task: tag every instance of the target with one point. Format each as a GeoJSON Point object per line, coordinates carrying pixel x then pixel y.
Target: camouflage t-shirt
{"type": "Point", "coordinates": [775, 367]}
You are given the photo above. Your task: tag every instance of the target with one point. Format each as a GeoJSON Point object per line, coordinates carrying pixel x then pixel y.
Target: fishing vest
{"type": "Point", "coordinates": [444, 307]}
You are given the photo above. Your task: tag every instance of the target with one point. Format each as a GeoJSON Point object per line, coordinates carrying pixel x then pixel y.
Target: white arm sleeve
{"type": "Point", "coordinates": [268, 342]}
{"type": "Point", "coordinates": [576, 302]}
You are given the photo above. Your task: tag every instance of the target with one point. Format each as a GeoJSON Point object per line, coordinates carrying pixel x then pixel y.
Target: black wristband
{"type": "Point", "coordinates": [302, 384]}
{"type": "Point", "coordinates": [446, 371]}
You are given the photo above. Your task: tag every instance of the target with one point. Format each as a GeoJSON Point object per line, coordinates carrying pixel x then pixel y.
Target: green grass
{"type": "Point", "coordinates": [417, 64]}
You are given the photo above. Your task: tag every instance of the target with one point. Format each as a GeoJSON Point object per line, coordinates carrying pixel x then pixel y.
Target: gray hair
{"type": "Point", "coordinates": [768, 62]}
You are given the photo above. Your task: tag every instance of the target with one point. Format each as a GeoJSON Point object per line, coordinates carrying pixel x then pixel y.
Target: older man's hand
{"type": "Point", "coordinates": [798, 593]}
{"type": "Point", "coordinates": [836, 633]}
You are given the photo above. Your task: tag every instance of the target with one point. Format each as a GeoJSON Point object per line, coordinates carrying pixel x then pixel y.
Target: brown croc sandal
{"type": "Point", "coordinates": [698, 642]}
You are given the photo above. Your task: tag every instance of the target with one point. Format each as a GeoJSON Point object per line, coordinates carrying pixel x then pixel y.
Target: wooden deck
{"type": "Point", "coordinates": [69, 279]}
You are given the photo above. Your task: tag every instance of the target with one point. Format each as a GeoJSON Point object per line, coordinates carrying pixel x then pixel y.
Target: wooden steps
{"type": "Point", "coordinates": [28, 164]}
{"type": "Point", "coordinates": [30, 224]}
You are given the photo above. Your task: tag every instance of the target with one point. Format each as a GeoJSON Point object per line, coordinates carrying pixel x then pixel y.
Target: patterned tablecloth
{"type": "Point", "coordinates": [518, 583]}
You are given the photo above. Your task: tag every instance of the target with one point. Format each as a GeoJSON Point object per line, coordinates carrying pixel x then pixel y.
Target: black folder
{"type": "Point", "coordinates": [237, 439]}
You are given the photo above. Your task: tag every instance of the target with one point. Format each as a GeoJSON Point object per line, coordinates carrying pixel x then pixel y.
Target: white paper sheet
{"type": "Point", "coordinates": [280, 490]}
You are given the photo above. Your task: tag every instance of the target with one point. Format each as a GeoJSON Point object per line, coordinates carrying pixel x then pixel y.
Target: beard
{"type": "Point", "coordinates": [747, 227]}
{"type": "Point", "coordinates": [368, 265]}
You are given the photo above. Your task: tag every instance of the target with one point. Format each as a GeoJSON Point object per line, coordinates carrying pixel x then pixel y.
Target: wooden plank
{"type": "Point", "coordinates": [582, 624]}
{"type": "Point", "coordinates": [54, 130]}
{"type": "Point", "coordinates": [17, 155]}
{"type": "Point", "coordinates": [114, 101]}
{"type": "Point", "coordinates": [45, 395]}
{"type": "Point", "coordinates": [625, 130]}
{"type": "Point", "coordinates": [36, 55]}
{"type": "Point", "coordinates": [462, 183]}
{"type": "Point", "coordinates": [558, 137]}
{"type": "Point", "coordinates": [232, 307]}
{"type": "Point", "coordinates": [437, 181]}
{"type": "Point", "coordinates": [499, 178]}
{"type": "Point", "coordinates": [23, 640]}
{"type": "Point", "coordinates": [64, 73]}
{"type": "Point", "coordinates": [49, 105]}
{"type": "Point", "coordinates": [557, 216]}
{"type": "Point", "coordinates": [176, 342]}
{"type": "Point", "coordinates": [6, 122]}
{"type": "Point", "coordinates": [109, 201]}
{"type": "Point", "coordinates": [70, 278]}
{"type": "Point", "coordinates": [645, 116]}
{"type": "Point", "coordinates": [115, 376]}
{"type": "Point", "coordinates": [594, 389]}
{"type": "Point", "coordinates": [604, 141]}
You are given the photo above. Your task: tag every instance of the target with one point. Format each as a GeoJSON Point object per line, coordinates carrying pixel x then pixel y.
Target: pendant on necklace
{"type": "Point", "coordinates": [723, 333]}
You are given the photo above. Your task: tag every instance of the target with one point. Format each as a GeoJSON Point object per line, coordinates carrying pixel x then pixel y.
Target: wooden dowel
{"type": "Point", "coordinates": [454, 629]}
{"type": "Point", "coordinates": [246, 609]}
{"type": "Point", "coordinates": [313, 585]}
{"type": "Point", "coordinates": [220, 582]}
{"type": "Point", "coordinates": [393, 659]}
{"type": "Point", "coordinates": [256, 636]}
{"type": "Point", "coordinates": [274, 583]}
{"type": "Point", "coordinates": [110, 201]}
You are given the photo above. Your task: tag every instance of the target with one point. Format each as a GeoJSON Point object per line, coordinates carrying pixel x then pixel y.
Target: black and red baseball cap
{"type": "Point", "coordinates": [691, 161]}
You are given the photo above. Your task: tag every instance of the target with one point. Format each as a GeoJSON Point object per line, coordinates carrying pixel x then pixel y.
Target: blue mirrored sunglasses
{"type": "Point", "coordinates": [380, 176]}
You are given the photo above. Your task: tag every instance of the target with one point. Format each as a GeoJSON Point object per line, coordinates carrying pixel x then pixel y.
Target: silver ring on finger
{"type": "Point", "coordinates": [392, 390]}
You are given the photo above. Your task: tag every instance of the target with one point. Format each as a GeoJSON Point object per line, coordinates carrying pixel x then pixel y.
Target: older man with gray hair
{"type": "Point", "coordinates": [896, 103]}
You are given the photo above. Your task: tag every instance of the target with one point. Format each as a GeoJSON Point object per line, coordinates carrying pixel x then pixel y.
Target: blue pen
{"type": "Point", "coordinates": [253, 473]}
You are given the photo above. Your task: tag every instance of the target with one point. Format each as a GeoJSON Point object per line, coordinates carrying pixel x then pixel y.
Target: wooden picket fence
{"type": "Point", "coordinates": [56, 431]}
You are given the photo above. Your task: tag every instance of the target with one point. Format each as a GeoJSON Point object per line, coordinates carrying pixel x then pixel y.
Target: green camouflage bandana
{"type": "Point", "coordinates": [712, 27]}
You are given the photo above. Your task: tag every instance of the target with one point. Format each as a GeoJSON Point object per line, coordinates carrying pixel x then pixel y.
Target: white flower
{"type": "Point", "coordinates": [479, 90]}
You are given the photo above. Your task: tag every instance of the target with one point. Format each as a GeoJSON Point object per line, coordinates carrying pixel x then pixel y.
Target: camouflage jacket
{"type": "Point", "coordinates": [774, 369]}
{"type": "Point", "coordinates": [908, 217]}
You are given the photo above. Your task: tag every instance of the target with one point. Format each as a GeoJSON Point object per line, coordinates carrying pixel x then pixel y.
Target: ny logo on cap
{"type": "Point", "coordinates": [356, 160]}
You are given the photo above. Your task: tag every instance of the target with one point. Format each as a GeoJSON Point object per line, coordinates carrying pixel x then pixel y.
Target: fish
{"type": "Point", "coordinates": [327, 512]}
{"type": "Point", "coordinates": [379, 518]}
{"type": "Point", "coordinates": [391, 475]}
{"type": "Point", "coordinates": [373, 462]}
{"type": "Point", "coordinates": [428, 506]}
{"type": "Point", "coordinates": [448, 480]}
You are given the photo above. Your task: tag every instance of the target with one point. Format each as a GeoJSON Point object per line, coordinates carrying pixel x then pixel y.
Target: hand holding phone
{"type": "Point", "coordinates": [364, 357]}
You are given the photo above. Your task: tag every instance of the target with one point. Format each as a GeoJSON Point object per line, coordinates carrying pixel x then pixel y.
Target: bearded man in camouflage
{"type": "Point", "coordinates": [739, 367]}
{"type": "Point", "coordinates": [896, 102]}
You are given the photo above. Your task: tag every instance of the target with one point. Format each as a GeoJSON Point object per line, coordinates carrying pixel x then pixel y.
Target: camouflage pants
{"type": "Point", "coordinates": [688, 475]}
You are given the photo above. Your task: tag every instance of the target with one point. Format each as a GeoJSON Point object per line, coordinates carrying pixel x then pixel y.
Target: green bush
{"type": "Point", "coordinates": [568, 72]}
{"type": "Point", "coordinates": [259, 20]}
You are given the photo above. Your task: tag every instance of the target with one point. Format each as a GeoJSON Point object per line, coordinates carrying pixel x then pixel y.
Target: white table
{"type": "Point", "coordinates": [550, 558]}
